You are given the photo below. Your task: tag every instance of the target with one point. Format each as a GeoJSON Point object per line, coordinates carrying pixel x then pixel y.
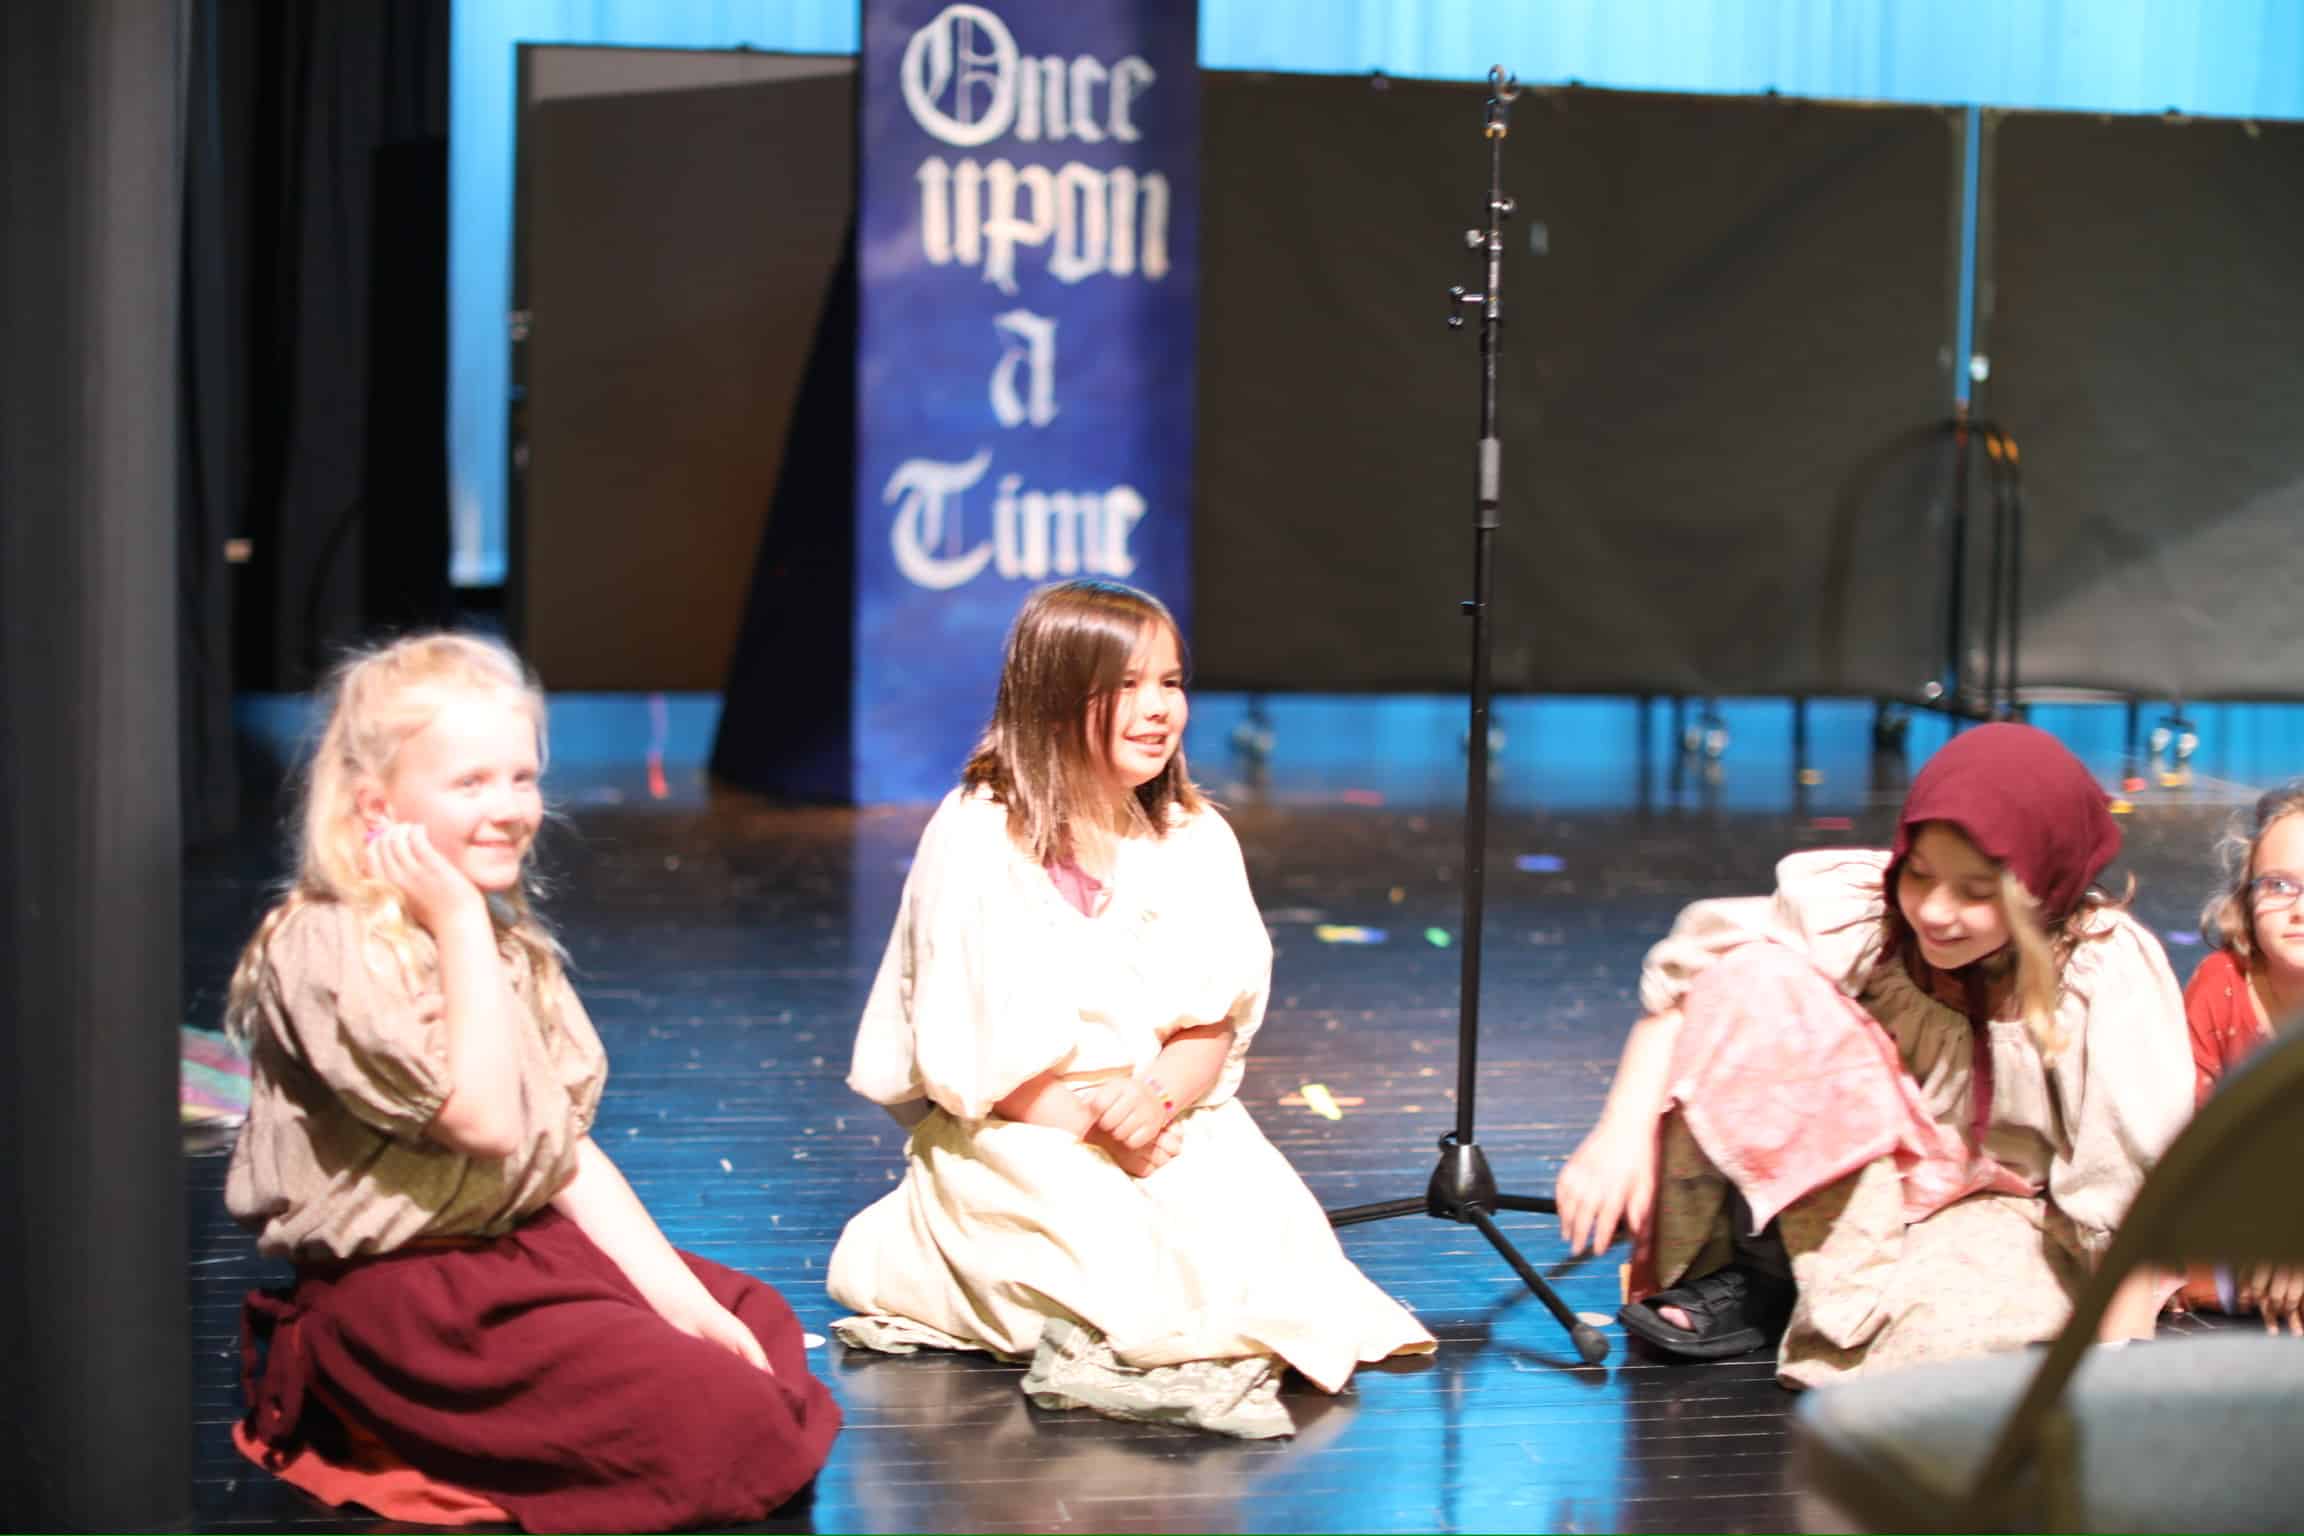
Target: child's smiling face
{"type": "Point", "coordinates": [1148, 713]}
{"type": "Point", "coordinates": [470, 779]}
{"type": "Point", "coordinates": [1950, 895]}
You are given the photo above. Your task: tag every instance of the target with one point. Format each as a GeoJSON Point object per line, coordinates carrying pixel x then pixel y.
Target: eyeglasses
{"type": "Point", "coordinates": [2274, 892]}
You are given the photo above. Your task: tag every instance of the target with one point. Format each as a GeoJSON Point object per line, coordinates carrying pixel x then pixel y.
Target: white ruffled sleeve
{"type": "Point", "coordinates": [1221, 960]}
{"type": "Point", "coordinates": [1827, 907]}
{"type": "Point", "coordinates": [968, 1005]}
{"type": "Point", "coordinates": [2123, 1084]}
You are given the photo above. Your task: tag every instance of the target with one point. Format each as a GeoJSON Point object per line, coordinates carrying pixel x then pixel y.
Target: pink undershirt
{"type": "Point", "coordinates": [1082, 889]}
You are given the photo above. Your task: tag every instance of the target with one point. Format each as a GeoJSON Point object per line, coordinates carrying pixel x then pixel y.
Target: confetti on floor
{"type": "Point", "coordinates": [1306, 1100]}
{"type": "Point", "coordinates": [2179, 936]}
{"type": "Point", "coordinates": [1438, 938]}
{"type": "Point", "coordinates": [812, 1341]}
{"type": "Point", "coordinates": [727, 1166]}
{"type": "Point", "coordinates": [1539, 863]}
{"type": "Point", "coordinates": [1346, 933]}
{"type": "Point", "coordinates": [1811, 777]}
{"type": "Point", "coordinates": [1398, 894]}
{"type": "Point", "coordinates": [2120, 807]}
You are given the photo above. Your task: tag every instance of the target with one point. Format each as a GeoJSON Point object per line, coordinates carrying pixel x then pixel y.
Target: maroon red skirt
{"type": "Point", "coordinates": [527, 1371]}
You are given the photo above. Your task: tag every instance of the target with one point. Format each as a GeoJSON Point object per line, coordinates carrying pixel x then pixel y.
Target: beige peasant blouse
{"type": "Point", "coordinates": [349, 1065]}
{"type": "Point", "coordinates": [2085, 1127]}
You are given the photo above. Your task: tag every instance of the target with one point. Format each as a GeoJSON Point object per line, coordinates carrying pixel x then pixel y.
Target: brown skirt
{"type": "Point", "coordinates": [528, 1372]}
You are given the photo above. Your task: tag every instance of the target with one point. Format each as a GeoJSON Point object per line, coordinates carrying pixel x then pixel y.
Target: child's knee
{"type": "Point", "coordinates": [1758, 966]}
{"type": "Point", "coordinates": [1770, 982]}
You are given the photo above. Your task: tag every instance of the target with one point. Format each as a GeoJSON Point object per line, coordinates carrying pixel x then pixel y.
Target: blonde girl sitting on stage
{"type": "Point", "coordinates": [1062, 1017]}
{"type": "Point", "coordinates": [1895, 1111]}
{"type": "Point", "coordinates": [485, 1324]}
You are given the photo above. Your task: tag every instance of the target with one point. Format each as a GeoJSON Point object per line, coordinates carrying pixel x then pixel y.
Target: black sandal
{"type": "Point", "coordinates": [1734, 1309]}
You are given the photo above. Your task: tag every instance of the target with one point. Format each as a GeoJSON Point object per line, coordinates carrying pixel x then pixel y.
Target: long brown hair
{"type": "Point", "coordinates": [2228, 922]}
{"type": "Point", "coordinates": [1060, 677]}
{"type": "Point", "coordinates": [377, 700]}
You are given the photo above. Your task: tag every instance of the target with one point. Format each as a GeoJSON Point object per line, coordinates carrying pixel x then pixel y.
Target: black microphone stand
{"type": "Point", "coordinates": [1462, 1187]}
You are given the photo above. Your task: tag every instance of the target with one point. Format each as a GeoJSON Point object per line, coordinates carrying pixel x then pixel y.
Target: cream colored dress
{"type": "Point", "coordinates": [1991, 1271]}
{"type": "Point", "coordinates": [991, 978]}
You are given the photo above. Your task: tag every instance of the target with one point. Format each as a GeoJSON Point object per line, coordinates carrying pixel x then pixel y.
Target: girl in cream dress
{"type": "Point", "coordinates": [1062, 1019]}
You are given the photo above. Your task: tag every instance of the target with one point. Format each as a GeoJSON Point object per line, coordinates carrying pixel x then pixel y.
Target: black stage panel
{"type": "Point", "coordinates": [2147, 344]}
{"type": "Point", "coordinates": [1711, 378]}
{"type": "Point", "coordinates": [679, 245]}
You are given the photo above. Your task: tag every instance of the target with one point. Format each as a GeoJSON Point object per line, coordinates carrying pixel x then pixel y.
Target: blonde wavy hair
{"type": "Point", "coordinates": [2032, 961]}
{"type": "Point", "coordinates": [377, 700]}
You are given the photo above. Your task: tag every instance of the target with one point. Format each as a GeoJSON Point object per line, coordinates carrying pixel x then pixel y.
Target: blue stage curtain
{"type": "Point", "coordinates": [2228, 58]}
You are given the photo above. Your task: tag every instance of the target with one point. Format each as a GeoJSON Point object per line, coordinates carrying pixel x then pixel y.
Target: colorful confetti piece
{"type": "Point", "coordinates": [1299, 1101]}
{"type": "Point", "coordinates": [1346, 933]}
{"type": "Point", "coordinates": [1438, 938]}
{"type": "Point", "coordinates": [1540, 863]}
{"type": "Point", "coordinates": [1322, 1103]}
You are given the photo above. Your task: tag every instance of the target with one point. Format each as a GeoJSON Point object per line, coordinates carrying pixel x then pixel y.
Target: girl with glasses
{"type": "Point", "coordinates": [2248, 990]}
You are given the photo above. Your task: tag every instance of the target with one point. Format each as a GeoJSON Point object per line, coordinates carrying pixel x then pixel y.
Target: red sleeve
{"type": "Point", "coordinates": [2222, 1020]}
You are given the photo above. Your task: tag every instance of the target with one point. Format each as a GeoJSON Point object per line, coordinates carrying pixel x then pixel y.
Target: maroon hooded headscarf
{"type": "Point", "coordinates": [2024, 800]}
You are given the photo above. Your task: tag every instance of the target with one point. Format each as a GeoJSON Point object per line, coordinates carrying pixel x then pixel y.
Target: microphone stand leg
{"type": "Point", "coordinates": [1591, 1345]}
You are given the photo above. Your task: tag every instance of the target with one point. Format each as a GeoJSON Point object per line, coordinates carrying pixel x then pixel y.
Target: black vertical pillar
{"type": "Point", "coordinates": [93, 1327]}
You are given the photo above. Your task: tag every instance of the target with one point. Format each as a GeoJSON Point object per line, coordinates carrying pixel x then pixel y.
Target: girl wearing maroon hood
{"type": "Point", "coordinates": [1894, 1112]}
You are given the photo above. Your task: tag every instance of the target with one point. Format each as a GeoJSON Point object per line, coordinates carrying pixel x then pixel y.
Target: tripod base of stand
{"type": "Point", "coordinates": [1463, 1189]}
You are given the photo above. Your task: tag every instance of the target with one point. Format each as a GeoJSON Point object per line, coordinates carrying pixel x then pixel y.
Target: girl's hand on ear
{"type": "Point", "coordinates": [437, 893]}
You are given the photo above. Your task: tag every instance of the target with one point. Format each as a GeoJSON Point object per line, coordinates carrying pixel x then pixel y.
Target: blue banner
{"type": "Point", "coordinates": [1028, 247]}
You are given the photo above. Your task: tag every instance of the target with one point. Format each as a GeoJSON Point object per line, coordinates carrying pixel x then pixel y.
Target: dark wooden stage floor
{"type": "Point", "coordinates": [725, 947]}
